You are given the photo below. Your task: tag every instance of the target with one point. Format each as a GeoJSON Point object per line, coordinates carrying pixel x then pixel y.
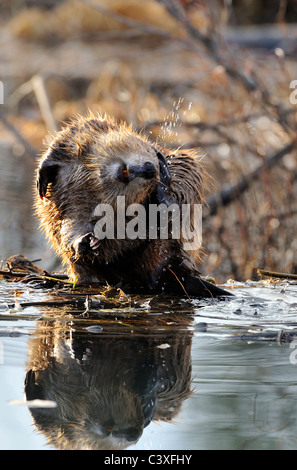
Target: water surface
{"type": "Point", "coordinates": [154, 374]}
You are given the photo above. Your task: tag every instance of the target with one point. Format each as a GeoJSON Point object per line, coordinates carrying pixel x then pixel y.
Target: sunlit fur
{"type": "Point", "coordinates": [88, 151]}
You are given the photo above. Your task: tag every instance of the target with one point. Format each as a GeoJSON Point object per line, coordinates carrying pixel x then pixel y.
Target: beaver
{"type": "Point", "coordinates": [95, 162]}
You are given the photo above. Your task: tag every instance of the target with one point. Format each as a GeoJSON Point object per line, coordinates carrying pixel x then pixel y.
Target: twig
{"type": "Point", "coordinates": [181, 284]}
{"type": "Point", "coordinates": [4, 272]}
{"type": "Point", "coordinates": [175, 8]}
{"type": "Point", "coordinates": [125, 20]}
{"type": "Point", "coordinates": [281, 336]}
{"type": "Point", "coordinates": [23, 90]}
{"type": "Point", "coordinates": [250, 82]}
{"type": "Point", "coordinates": [37, 86]}
{"type": "Point", "coordinates": [44, 102]}
{"type": "Point", "coordinates": [230, 192]}
{"type": "Point", "coordinates": [262, 272]}
{"type": "Point", "coordinates": [47, 303]}
{"type": "Point", "coordinates": [54, 276]}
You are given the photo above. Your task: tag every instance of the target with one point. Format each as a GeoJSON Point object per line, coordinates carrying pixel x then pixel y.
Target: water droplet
{"type": "Point", "coordinates": [94, 329]}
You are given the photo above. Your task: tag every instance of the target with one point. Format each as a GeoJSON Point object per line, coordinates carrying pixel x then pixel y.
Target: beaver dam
{"type": "Point", "coordinates": [100, 369]}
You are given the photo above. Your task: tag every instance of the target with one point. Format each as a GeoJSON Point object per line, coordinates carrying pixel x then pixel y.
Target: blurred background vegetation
{"type": "Point", "coordinates": [210, 74]}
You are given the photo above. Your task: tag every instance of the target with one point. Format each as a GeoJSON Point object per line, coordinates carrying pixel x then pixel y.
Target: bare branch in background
{"type": "Point", "coordinates": [231, 192]}
{"type": "Point", "coordinates": [143, 27]}
{"type": "Point", "coordinates": [39, 89]}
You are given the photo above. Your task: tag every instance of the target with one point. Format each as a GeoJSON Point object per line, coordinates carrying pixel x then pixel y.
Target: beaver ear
{"type": "Point", "coordinates": [46, 174]}
{"type": "Point", "coordinates": [164, 170]}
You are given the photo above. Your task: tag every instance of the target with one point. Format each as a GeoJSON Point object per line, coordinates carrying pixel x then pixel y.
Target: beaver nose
{"type": "Point", "coordinates": [146, 171]}
{"type": "Point", "coordinates": [149, 170]}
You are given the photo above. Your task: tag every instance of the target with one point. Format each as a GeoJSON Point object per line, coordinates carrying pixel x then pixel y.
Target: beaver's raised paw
{"type": "Point", "coordinates": [94, 244]}
{"type": "Point", "coordinates": [86, 244]}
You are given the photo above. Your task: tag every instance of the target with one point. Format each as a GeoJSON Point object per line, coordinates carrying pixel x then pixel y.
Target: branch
{"type": "Point", "coordinates": [231, 192]}
{"type": "Point", "coordinates": [262, 272]}
{"type": "Point", "coordinates": [178, 12]}
{"type": "Point", "coordinates": [125, 20]}
{"type": "Point", "coordinates": [42, 98]}
{"type": "Point", "coordinates": [249, 81]}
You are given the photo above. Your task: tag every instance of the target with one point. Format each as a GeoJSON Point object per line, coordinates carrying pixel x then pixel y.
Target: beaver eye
{"type": "Point", "coordinates": [126, 174]}
{"type": "Point", "coordinates": [123, 174]}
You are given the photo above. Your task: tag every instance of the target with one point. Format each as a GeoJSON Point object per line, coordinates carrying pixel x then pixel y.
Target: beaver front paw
{"type": "Point", "coordinates": [85, 245]}
{"type": "Point", "coordinates": [163, 195]}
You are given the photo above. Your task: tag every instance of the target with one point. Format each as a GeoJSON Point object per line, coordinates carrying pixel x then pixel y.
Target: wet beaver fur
{"type": "Point", "coordinates": [94, 160]}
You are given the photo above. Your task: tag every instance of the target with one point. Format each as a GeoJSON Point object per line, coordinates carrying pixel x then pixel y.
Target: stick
{"type": "Point", "coordinates": [262, 272]}
{"type": "Point", "coordinates": [54, 276]}
{"type": "Point", "coordinates": [125, 20]}
{"type": "Point", "coordinates": [44, 102]}
{"type": "Point", "coordinates": [231, 192]}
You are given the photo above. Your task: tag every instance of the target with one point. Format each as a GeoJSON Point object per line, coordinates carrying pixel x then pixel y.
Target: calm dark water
{"type": "Point", "coordinates": [160, 375]}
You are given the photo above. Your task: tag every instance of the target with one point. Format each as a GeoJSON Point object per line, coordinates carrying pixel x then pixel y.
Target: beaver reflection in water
{"type": "Point", "coordinates": [94, 161]}
{"type": "Point", "coordinates": [107, 388]}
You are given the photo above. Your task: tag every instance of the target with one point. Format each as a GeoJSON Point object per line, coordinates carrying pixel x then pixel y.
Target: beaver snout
{"type": "Point", "coordinates": [147, 171]}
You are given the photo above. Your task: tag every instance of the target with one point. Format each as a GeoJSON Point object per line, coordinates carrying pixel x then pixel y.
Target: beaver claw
{"type": "Point", "coordinates": [94, 244]}
{"type": "Point", "coordinates": [86, 244]}
{"type": "Point", "coordinates": [162, 192]}
{"type": "Point", "coordinates": [162, 195]}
